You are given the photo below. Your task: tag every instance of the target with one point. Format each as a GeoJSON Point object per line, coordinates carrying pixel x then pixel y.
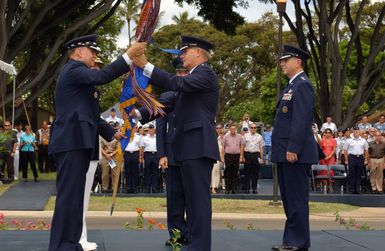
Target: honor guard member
{"type": "Point", "coordinates": [356, 156]}
{"type": "Point", "coordinates": [74, 133]}
{"type": "Point", "coordinates": [132, 156]}
{"type": "Point", "coordinates": [294, 148]}
{"type": "Point", "coordinates": [151, 163]}
{"type": "Point", "coordinates": [165, 131]}
{"type": "Point", "coordinates": [195, 144]}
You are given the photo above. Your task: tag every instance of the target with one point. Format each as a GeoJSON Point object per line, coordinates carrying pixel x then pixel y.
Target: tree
{"type": "Point", "coordinates": [346, 40]}
{"type": "Point", "coordinates": [131, 10]}
{"type": "Point", "coordinates": [241, 61]}
{"type": "Point", "coordinates": [182, 18]}
{"type": "Point", "coordinates": [32, 34]}
{"type": "Point", "coordinates": [219, 12]}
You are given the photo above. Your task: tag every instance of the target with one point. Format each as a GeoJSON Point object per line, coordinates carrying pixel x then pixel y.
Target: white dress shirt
{"type": "Point", "coordinates": [135, 144]}
{"type": "Point", "coordinates": [356, 146]}
{"type": "Point", "coordinates": [330, 125]}
{"type": "Point", "coordinates": [149, 143]}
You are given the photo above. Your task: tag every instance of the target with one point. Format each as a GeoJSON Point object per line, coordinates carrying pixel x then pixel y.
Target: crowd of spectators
{"type": "Point", "coordinates": [360, 149]}
{"type": "Point", "coordinates": [244, 148]}
{"type": "Point", "coordinates": [20, 149]}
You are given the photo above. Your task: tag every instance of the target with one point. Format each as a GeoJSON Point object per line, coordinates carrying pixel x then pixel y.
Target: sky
{"type": "Point", "coordinates": [170, 9]}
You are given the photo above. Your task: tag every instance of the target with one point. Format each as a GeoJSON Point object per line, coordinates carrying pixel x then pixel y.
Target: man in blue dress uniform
{"type": "Point", "coordinates": [165, 130]}
{"type": "Point", "coordinates": [294, 148]}
{"type": "Point", "coordinates": [195, 145]}
{"type": "Point", "coordinates": [74, 133]}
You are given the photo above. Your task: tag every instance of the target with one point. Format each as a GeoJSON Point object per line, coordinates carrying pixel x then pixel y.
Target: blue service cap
{"type": "Point", "coordinates": [83, 41]}
{"type": "Point", "coordinates": [190, 41]}
{"type": "Point", "coordinates": [178, 64]}
{"type": "Point", "coordinates": [291, 51]}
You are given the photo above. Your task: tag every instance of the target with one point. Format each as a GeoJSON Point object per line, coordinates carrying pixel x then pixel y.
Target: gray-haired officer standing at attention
{"type": "Point", "coordinates": [195, 144]}
{"type": "Point", "coordinates": [75, 130]}
{"type": "Point", "coordinates": [294, 148]}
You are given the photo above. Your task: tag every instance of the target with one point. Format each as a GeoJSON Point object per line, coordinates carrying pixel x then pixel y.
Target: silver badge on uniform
{"type": "Point", "coordinates": [287, 96]}
{"type": "Point", "coordinates": [285, 109]}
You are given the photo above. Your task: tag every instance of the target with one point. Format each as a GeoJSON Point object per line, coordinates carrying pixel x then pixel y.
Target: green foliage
{"type": "Point", "coordinates": [220, 13]}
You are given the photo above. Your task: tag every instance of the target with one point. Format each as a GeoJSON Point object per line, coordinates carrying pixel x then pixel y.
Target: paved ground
{"type": "Point", "coordinates": [222, 240]}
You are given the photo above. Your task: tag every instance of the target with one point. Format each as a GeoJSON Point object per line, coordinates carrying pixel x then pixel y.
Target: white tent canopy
{"type": "Point", "coordinates": [10, 69]}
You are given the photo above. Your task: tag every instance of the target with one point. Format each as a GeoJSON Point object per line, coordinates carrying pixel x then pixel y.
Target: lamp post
{"type": "Point", "coordinates": [281, 8]}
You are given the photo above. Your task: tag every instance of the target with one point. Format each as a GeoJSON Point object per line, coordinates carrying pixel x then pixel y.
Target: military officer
{"type": "Point", "coordinates": [294, 148]}
{"type": "Point", "coordinates": [165, 131]}
{"type": "Point", "coordinates": [195, 144]}
{"type": "Point", "coordinates": [74, 133]}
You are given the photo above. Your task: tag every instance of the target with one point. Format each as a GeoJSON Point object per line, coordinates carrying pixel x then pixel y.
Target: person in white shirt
{"type": "Point", "coordinates": [356, 156]}
{"type": "Point", "coordinates": [329, 124]}
{"type": "Point", "coordinates": [245, 123]}
{"type": "Point", "coordinates": [113, 118]}
{"type": "Point", "coordinates": [340, 142]}
{"type": "Point", "coordinates": [151, 162]}
{"type": "Point", "coordinates": [132, 156]}
{"type": "Point", "coordinates": [253, 153]}
{"type": "Point", "coordinates": [16, 158]}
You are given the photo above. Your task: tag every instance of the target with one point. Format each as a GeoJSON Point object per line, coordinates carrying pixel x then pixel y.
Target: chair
{"type": "Point", "coordinates": [340, 175]}
{"type": "Point", "coordinates": [319, 177]}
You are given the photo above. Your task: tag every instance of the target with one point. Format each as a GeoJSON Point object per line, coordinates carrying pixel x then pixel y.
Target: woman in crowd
{"type": "Point", "coordinates": [245, 123]}
{"type": "Point", "coordinates": [328, 145]}
{"type": "Point", "coordinates": [27, 153]}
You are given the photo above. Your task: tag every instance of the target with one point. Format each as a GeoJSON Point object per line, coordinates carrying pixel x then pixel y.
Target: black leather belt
{"type": "Point", "coordinates": [356, 155]}
{"type": "Point", "coordinates": [131, 151]}
{"type": "Point", "coordinates": [151, 152]}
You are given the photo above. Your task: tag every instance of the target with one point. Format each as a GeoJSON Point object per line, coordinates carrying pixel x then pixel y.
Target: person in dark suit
{"type": "Point", "coordinates": [294, 148]}
{"type": "Point", "coordinates": [165, 130]}
{"type": "Point", "coordinates": [195, 144]}
{"type": "Point", "coordinates": [74, 133]}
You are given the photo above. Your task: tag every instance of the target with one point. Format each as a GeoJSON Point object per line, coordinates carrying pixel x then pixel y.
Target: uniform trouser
{"type": "Point", "coordinates": [131, 170]}
{"type": "Point", "coordinates": [356, 167]}
{"type": "Point", "coordinates": [106, 169]}
{"type": "Point", "coordinates": [67, 221]}
{"type": "Point", "coordinates": [196, 174]}
{"type": "Point", "coordinates": [176, 206]}
{"type": "Point", "coordinates": [294, 186]}
{"type": "Point", "coordinates": [151, 172]}
{"type": "Point", "coordinates": [376, 173]}
{"type": "Point", "coordinates": [87, 192]}
{"type": "Point", "coordinates": [25, 158]}
{"type": "Point", "coordinates": [252, 167]}
{"type": "Point", "coordinates": [42, 159]}
{"type": "Point", "coordinates": [231, 171]}
{"type": "Point", "coordinates": [7, 159]}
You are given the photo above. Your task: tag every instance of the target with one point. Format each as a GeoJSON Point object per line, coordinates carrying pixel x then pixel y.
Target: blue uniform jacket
{"type": "Point", "coordinates": [195, 107]}
{"type": "Point", "coordinates": [165, 132]}
{"type": "Point", "coordinates": [78, 123]}
{"type": "Point", "coordinates": [292, 124]}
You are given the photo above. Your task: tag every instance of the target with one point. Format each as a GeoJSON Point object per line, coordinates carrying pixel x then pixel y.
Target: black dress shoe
{"type": "Point", "coordinates": [288, 248]}
{"type": "Point", "coordinates": [255, 192]}
{"type": "Point", "coordinates": [36, 180]}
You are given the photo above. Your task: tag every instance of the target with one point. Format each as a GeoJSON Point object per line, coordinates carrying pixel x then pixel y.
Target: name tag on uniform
{"type": "Point", "coordinates": [287, 96]}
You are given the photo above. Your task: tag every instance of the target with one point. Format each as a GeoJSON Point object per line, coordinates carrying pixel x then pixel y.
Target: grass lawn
{"type": "Point", "coordinates": [219, 205]}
